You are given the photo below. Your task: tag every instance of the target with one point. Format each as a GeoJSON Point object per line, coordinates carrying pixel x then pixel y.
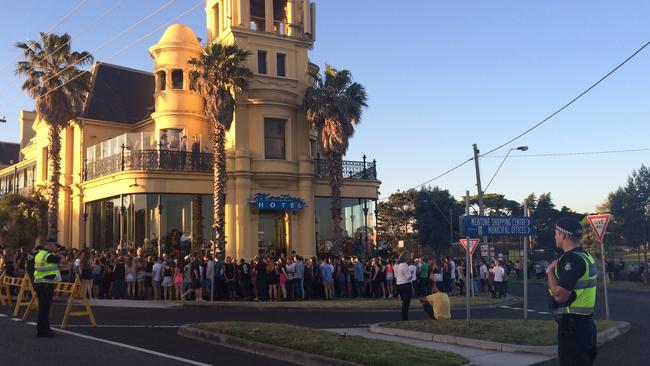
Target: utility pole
{"type": "Point", "coordinates": [481, 209]}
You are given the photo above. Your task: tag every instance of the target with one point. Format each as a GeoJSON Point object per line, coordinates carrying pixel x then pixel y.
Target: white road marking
{"type": "Point", "coordinates": [134, 348]}
{"type": "Point", "coordinates": [31, 323]}
{"type": "Point", "coordinates": [3, 315]}
{"type": "Point", "coordinates": [17, 319]}
{"type": "Point", "coordinates": [529, 310]}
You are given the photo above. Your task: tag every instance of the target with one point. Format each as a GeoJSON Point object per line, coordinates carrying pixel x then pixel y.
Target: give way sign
{"type": "Point", "coordinates": [599, 224]}
{"type": "Point", "coordinates": [473, 243]}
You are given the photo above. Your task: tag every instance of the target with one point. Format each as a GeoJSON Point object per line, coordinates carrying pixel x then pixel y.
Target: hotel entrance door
{"type": "Point", "coordinates": [273, 233]}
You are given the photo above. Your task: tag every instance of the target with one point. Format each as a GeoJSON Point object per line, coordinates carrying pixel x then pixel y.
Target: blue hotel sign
{"type": "Point", "coordinates": [285, 202]}
{"type": "Point", "coordinates": [476, 226]}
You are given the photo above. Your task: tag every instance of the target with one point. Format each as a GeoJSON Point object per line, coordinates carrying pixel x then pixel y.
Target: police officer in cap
{"type": "Point", "coordinates": [46, 275]}
{"type": "Point", "coordinates": [572, 286]}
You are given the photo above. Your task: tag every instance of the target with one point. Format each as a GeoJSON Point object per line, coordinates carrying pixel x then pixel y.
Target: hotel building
{"type": "Point", "coordinates": [137, 163]}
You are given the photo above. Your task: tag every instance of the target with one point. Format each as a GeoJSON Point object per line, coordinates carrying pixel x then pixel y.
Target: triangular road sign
{"type": "Point", "coordinates": [599, 224]}
{"type": "Point", "coordinates": [473, 244]}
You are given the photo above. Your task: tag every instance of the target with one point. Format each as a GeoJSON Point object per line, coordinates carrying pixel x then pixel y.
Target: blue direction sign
{"type": "Point", "coordinates": [476, 226]}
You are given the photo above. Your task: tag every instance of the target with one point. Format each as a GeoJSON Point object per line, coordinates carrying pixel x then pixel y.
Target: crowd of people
{"type": "Point", "coordinates": [132, 275]}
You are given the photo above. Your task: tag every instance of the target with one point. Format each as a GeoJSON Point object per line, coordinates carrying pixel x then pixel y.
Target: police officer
{"type": "Point", "coordinates": [46, 274]}
{"type": "Point", "coordinates": [572, 286]}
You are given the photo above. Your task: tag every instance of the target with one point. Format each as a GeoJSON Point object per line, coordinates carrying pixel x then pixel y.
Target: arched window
{"type": "Point", "coordinates": [161, 80]}
{"type": "Point", "coordinates": [177, 79]}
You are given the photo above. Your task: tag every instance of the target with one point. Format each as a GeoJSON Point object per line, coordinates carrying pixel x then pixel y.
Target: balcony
{"type": "Point", "coordinates": [149, 160]}
{"type": "Point", "coordinates": [360, 170]}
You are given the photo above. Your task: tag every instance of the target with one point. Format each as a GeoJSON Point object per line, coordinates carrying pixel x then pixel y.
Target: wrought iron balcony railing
{"type": "Point", "coordinates": [363, 170]}
{"type": "Point", "coordinates": [149, 160]}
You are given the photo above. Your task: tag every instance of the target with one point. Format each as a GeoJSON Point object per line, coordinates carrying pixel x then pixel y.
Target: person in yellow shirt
{"type": "Point", "coordinates": [436, 305]}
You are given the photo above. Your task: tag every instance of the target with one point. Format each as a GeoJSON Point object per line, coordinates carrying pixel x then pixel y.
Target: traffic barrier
{"type": "Point", "coordinates": [26, 294]}
{"type": "Point", "coordinates": [73, 290]}
{"type": "Point", "coordinates": [5, 291]}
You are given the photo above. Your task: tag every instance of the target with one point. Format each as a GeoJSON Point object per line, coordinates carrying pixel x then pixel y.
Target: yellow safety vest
{"type": "Point", "coordinates": [585, 289]}
{"type": "Point", "coordinates": [45, 272]}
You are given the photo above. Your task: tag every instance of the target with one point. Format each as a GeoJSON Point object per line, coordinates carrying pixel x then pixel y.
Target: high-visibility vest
{"type": "Point", "coordinates": [585, 288]}
{"type": "Point", "coordinates": [45, 272]}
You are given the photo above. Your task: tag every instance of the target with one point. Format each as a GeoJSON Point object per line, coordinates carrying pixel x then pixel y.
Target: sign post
{"type": "Point", "coordinates": [526, 265]}
{"type": "Point", "coordinates": [599, 224]}
{"type": "Point", "coordinates": [467, 259]}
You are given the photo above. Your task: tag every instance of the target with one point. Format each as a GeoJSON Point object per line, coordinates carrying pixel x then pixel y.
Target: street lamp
{"type": "Point", "coordinates": [520, 148]}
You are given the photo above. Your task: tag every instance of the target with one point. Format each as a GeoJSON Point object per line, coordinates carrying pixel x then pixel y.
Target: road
{"type": "Point", "coordinates": [134, 334]}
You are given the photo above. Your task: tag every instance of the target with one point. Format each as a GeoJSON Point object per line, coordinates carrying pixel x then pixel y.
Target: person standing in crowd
{"type": "Point", "coordinates": [231, 278]}
{"type": "Point", "coordinates": [299, 278]}
{"type": "Point", "coordinates": [327, 270]}
{"type": "Point", "coordinates": [483, 276]}
{"type": "Point", "coordinates": [291, 276]}
{"type": "Point", "coordinates": [244, 275]}
{"type": "Point", "coordinates": [272, 278]}
{"type": "Point", "coordinates": [261, 280]}
{"type": "Point", "coordinates": [197, 275]}
{"type": "Point", "coordinates": [156, 277]}
{"type": "Point", "coordinates": [358, 277]}
{"type": "Point", "coordinates": [130, 278]}
{"type": "Point", "coordinates": [119, 273]}
{"type": "Point", "coordinates": [167, 282]}
{"type": "Point", "coordinates": [390, 279]}
{"type": "Point", "coordinates": [572, 285]}
{"type": "Point", "coordinates": [404, 287]}
{"type": "Point", "coordinates": [499, 274]}
{"type": "Point", "coordinates": [46, 274]}
{"type": "Point", "coordinates": [178, 282]}
{"type": "Point", "coordinates": [423, 277]}
{"type": "Point", "coordinates": [413, 273]}
{"type": "Point", "coordinates": [148, 272]}
{"type": "Point", "coordinates": [86, 277]}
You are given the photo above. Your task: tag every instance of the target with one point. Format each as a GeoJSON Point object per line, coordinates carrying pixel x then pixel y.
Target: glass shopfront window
{"type": "Point", "coordinates": [141, 220]}
{"type": "Point", "coordinates": [355, 226]}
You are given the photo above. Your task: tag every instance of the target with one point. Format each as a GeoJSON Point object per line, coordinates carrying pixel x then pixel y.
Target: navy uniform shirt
{"type": "Point", "coordinates": [570, 268]}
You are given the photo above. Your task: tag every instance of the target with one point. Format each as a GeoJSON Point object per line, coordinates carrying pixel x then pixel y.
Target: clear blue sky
{"type": "Point", "coordinates": [440, 76]}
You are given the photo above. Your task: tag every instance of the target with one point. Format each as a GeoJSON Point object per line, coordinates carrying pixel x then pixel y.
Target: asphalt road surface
{"type": "Point", "coordinates": [134, 334]}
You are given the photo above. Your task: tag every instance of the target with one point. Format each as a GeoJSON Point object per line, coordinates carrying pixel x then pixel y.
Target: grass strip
{"type": "Point", "coordinates": [357, 349]}
{"type": "Point", "coordinates": [530, 333]}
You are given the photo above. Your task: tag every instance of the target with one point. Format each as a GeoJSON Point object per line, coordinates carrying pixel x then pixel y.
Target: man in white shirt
{"type": "Point", "coordinates": [413, 270]}
{"type": "Point", "coordinates": [483, 276]}
{"type": "Point", "coordinates": [499, 274]}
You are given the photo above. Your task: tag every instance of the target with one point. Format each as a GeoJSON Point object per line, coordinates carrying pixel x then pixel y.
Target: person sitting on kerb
{"type": "Point", "coordinates": [436, 305]}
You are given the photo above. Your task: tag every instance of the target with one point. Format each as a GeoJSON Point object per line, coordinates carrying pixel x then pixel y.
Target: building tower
{"type": "Point", "coordinates": [178, 106]}
{"type": "Point", "coordinates": [268, 148]}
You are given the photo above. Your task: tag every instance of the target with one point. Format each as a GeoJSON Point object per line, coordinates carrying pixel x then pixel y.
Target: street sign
{"type": "Point", "coordinates": [599, 224]}
{"type": "Point", "coordinates": [473, 243]}
{"type": "Point", "coordinates": [497, 226]}
{"type": "Point", "coordinates": [485, 250]}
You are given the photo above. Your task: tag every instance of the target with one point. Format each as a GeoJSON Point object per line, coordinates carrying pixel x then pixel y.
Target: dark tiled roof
{"type": "Point", "coordinates": [9, 151]}
{"type": "Point", "coordinates": [120, 95]}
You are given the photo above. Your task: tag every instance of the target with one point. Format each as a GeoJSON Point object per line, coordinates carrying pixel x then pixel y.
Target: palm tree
{"type": "Point", "coordinates": [333, 106]}
{"type": "Point", "coordinates": [220, 72]}
{"type": "Point", "coordinates": [59, 89]}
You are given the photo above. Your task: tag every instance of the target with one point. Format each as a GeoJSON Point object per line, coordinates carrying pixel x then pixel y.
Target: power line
{"type": "Point", "coordinates": [85, 29]}
{"type": "Point", "coordinates": [58, 23]}
{"type": "Point", "coordinates": [111, 40]}
{"type": "Point", "coordinates": [573, 153]}
{"type": "Point", "coordinates": [196, 6]}
{"type": "Point", "coordinates": [436, 177]}
{"type": "Point", "coordinates": [569, 103]}
{"type": "Point", "coordinates": [497, 171]}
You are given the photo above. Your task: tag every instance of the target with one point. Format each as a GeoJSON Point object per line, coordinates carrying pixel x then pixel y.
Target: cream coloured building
{"type": "Point", "coordinates": [136, 165]}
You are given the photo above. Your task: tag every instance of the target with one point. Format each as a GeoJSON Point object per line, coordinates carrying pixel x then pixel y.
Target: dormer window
{"type": "Point", "coordinates": [177, 79]}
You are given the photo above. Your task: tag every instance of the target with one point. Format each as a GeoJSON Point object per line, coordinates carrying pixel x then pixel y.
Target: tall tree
{"type": "Point", "coordinates": [432, 206]}
{"type": "Point", "coordinates": [220, 74]}
{"type": "Point", "coordinates": [59, 88]}
{"type": "Point", "coordinates": [629, 207]}
{"type": "Point", "coordinates": [396, 216]}
{"type": "Point", "coordinates": [333, 105]}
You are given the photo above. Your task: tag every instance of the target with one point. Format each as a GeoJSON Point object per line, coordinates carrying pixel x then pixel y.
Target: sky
{"type": "Point", "coordinates": [440, 76]}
